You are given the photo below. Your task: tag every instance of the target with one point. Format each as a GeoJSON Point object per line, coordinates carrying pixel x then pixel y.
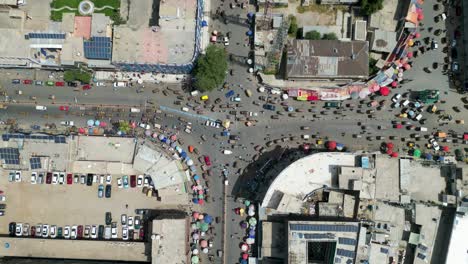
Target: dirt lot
{"type": "Point", "coordinates": [62, 205]}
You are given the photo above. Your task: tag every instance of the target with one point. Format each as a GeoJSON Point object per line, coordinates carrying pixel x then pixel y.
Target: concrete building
{"type": "Point", "coordinates": [383, 41]}
{"type": "Point", "coordinates": [327, 60]}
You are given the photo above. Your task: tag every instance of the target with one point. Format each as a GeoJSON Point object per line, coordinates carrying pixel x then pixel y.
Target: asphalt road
{"type": "Point", "coordinates": [326, 125]}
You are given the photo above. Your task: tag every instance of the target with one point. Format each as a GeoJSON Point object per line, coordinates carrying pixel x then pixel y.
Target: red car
{"type": "Point", "coordinates": [80, 231]}
{"type": "Point", "coordinates": [64, 108]}
{"type": "Point", "coordinates": [27, 81]}
{"type": "Point", "coordinates": [86, 87]}
{"type": "Point", "coordinates": [69, 178]}
{"type": "Point", "coordinates": [133, 181]}
{"type": "Point", "coordinates": [59, 83]}
{"type": "Point", "coordinates": [207, 160]}
{"type": "Point", "coordinates": [49, 178]}
{"type": "Point", "coordinates": [33, 231]}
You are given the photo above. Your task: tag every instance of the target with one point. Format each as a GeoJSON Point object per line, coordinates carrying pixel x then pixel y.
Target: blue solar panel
{"type": "Point", "coordinates": [319, 236]}
{"type": "Point", "coordinates": [347, 241]}
{"type": "Point", "coordinates": [345, 253]}
{"type": "Point", "coordinates": [384, 250]}
{"type": "Point", "coordinates": [5, 137]}
{"type": "Point", "coordinates": [10, 155]}
{"type": "Point", "coordinates": [323, 228]}
{"type": "Point", "coordinates": [35, 163]}
{"type": "Point", "coordinates": [47, 35]}
{"type": "Point", "coordinates": [98, 48]}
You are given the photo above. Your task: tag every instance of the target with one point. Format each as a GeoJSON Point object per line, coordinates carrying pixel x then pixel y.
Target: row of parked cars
{"type": "Point", "coordinates": [75, 231]}
{"type": "Point", "coordinates": [49, 83]}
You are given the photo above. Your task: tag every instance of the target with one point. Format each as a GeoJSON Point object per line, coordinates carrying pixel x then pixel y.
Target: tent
{"type": "Point", "coordinates": [384, 91]}
{"type": "Point", "coordinates": [331, 145]}
{"type": "Point", "coordinates": [395, 155]}
{"type": "Point", "coordinates": [208, 219]}
{"type": "Point", "coordinates": [195, 259]}
{"type": "Point", "coordinates": [417, 153]}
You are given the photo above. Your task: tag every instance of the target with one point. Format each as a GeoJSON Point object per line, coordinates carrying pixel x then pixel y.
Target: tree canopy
{"type": "Point", "coordinates": [77, 75]}
{"type": "Point", "coordinates": [369, 7]}
{"type": "Point", "coordinates": [314, 35]}
{"type": "Point", "coordinates": [210, 68]}
{"type": "Point", "coordinates": [329, 36]}
{"type": "Point", "coordinates": [293, 27]}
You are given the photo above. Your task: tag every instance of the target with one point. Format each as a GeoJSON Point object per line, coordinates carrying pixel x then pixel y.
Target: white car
{"type": "Point", "coordinates": [227, 152]}
{"type": "Point", "coordinates": [130, 222]}
{"type": "Point", "coordinates": [100, 84]}
{"type": "Point", "coordinates": [25, 229]}
{"type": "Point", "coordinates": [55, 176]}
{"type": "Point", "coordinates": [109, 179]}
{"type": "Point", "coordinates": [125, 233]}
{"type": "Point", "coordinates": [19, 229]}
{"type": "Point", "coordinates": [114, 231]}
{"type": "Point", "coordinates": [396, 98]}
{"type": "Point", "coordinates": [66, 232]}
{"type": "Point", "coordinates": [87, 231]}
{"type": "Point", "coordinates": [33, 177]}
{"type": "Point", "coordinates": [38, 230]}
{"type": "Point", "coordinates": [101, 179]}
{"type": "Point", "coordinates": [123, 219]}
{"type": "Point", "coordinates": [61, 178]}
{"type": "Point", "coordinates": [74, 230]}
{"type": "Point", "coordinates": [119, 183]}
{"type": "Point", "coordinates": [146, 182]}
{"type": "Point", "coordinates": [2, 198]}
{"type": "Point", "coordinates": [17, 176]}
{"type": "Point", "coordinates": [140, 181]}
{"type": "Point", "coordinates": [53, 231]}
{"type": "Point", "coordinates": [45, 231]}
{"type": "Point", "coordinates": [67, 123]}
{"type": "Point", "coordinates": [94, 232]}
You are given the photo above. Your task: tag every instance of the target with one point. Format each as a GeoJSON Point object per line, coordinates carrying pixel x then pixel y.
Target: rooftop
{"type": "Point", "coordinates": [304, 176]}
{"type": "Point", "coordinates": [171, 245]}
{"type": "Point", "coordinates": [327, 59]}
{"type": "Point", "coordinates": [458, 248]}
{"type": "Point", "coordinates": [384, 41]}
{"type": "Point", "coordinates": [386, 18]}
{"type": "Point", "coordinates": [273, 240]}
{"type": "Point", "coordinates": [387, 180]}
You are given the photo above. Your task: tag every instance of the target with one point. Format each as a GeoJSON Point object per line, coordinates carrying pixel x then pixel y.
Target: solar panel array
{"type": "Point", "coordinates": [47, 35]}
{"type": "Point", "coordinates": [384, 250]}
{"type": "Point", "coordinates": [99, 48]}
{"type": "Point", "coordinates": [56, 139]}
{"type": "Point", "coordinates": [10, 155]}
{"type": "Point", "coordinates": [323, 228]}
{"type": "Point", "coordinates": [35, 163]}
{"type": "Point", "coordinates": [319, 236]}
{"type": "Point", "coordinates": [337, 260]}
{"type": "Point", "coordinates": [345, 253]}
{"type": "Point", "coordinates": [347, 241]}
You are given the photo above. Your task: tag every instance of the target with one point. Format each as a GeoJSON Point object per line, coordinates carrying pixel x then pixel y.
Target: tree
{"type": "Point", "coordinates": [293, 26]}
{"type": "Point", "coordinates": [314, 35]}
{"type": "Point", "coordinates": [118, 20]}
{"type": "Point", "coordinates": [77, 75]}
{"type": "Point", "coordinates": [369, 7]}
{"type": "Point", "coordinates": [210, 68]}
{"type": "Point", "coordinates": [124, 126]}
{"type": "Point", "coordinates": [329, 36]}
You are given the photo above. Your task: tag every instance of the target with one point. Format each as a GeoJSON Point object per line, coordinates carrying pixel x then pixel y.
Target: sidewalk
{"type": "Point", "coordinates": [147, 77]}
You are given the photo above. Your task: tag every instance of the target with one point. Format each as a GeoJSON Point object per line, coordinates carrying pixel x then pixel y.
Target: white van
{"type": "Point", "coordinates": [134, 110]}
{"type": "Point", "coordinates": [405, 103]}
{"type": "Point", "coordinates": [305, 136]}
{"type": "Point", "coordinates": [423, 129]}
{"type": "Point", "coordinates": [120, 84]}
{"type": "Point", "coordinates": [418, 117]}
{"type": "Point", "coordinates": [158, 126]}
{"type": "Point", "coordinates": [185, 109]}
{"type": "Point", "coordinates": [41, 108]}
{"type": "Point", "coordinates": [275, 91]}
{"type": "Point", "coordinates": [194, 93]}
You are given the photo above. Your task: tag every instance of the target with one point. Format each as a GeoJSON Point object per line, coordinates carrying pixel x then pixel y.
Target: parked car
{"type": "Point", "coordinates": [109, 179]}
{"type": "Point", "coordinates": [59, 83]}
{"type": "Point", "coordinates": [67, 232]}
{"type": "Point", "coordinates": [207, 160]}
{"type": "Point", "coordinates": [33, 177]}
{"type": "Point", "coordinates": [69, 178]}
{"type": "Point", "coordinates": [125, 181]}
{"type": "Point", "coordinates": [79, 232]}
{"type": "Point", "coordinates": [100, 191]}
{"type": "Point", "coordinates": [53, 231]}
{"type": "Point", "coordinates": [133, 181]}
{"type": "Point", "coordinates": [108, 191]}
{"type": "Point", "coordinates": [140, 181]}
{"type": "Point", "coordinates": [94, 232]}
{"type": "Point", "coordinates": [119, 183]}
{"type": "Point", "coordinates": [45, 231]}
{"type": "Point", "coordinates": [100, 232]}
{"type": "Point", "coordinates": [55, 177]}
{"type": "Point", "coordinates": [87, 231]}
{"type": "Point", "coordinates": [125, 233]}
{"type": "Point", "coordinates": [114, 230]}
{"type": "Point", "coordinates": [17, 176]}
{"type": "Point", "coordinates": [123, 219]}
{"type": "Point", "coordinates": [27, 81]}
{"type": "Point", "coordinates": [12, 229]}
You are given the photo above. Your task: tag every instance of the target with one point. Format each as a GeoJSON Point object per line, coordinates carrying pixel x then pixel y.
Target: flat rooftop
{"type": "Point", "coordinates": [67, 249]}
{"type": "Point", "coordinates": [111, 149]}
{"type": "Point", "coordinates": [307, 175]}
{"type": "Point", "coordinates": [172, 246]}
{"type": "Point", "coordinates": [422, 183]}
{"type": "Point", "coordinates": [172, 42]}
{"type": "Point", "coordinates": [387, 180]}
{"type": "Point", "coordinates": [458, 248]}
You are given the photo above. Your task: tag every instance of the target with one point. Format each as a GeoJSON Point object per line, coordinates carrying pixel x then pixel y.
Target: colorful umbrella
{"type": "Point", "coordinates": [384, 91]}
{"type": "Point", "coordinates": [204, 227]}
{"type": "Point", "coordinates": [203, 244]}
{"type": "Point", "coordinates": [252, 221]}
{"type": "Point", "coordinates": [195, 251]}
{"type": "Point", "coordinates": [247, 202]}
{"type": "Point", "coordinates": [390, 145]}
{"type": "Point", "coordinates": [195, 214]}
{"type": "Point", "coordinates": [245, 256]}
{"type": "Point", "coordinates": [394, 84]}
{"type": "Point", "coordinates": [244, 225]}
{"type": "Point", "coordinates": [244, 247]}
{"type": "Point", "coordinates": [208, 219]}
{"type": "Point", "coordinates": [200, 217]}
{"type": "Point", "coordinates": [250, 241]}
{"type": "Point", "coordinates": [90, 122]}
{"type": "Point", "coordinates": [395, 155]}
{"type": "Point", "coordinates": [195, 259]}
{"type": "Point", "coordinates": [445, 148]}
{"type": "Point", "coordinates": [417, 153]}
{"type": "Point", "coordinates": [201, 202]}
{"type": "Point", "coordinates": [195, 236]}
{"type": "Point", "coordinates": [148, 133]}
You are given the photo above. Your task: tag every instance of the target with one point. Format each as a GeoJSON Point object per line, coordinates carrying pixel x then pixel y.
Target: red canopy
{"type": "Point", "coordinates": [420, 16]}
{"type": "Point", "coordinates": [410, 55]}
{"type": "Point", "coordinates": [394, 154]}
{"type": "Point", "coordinates": [331, 145]}
{"type": "Point", "coordinates": [245, 256]}
{"type": "Point", "coordinates": [417, 35]}
{"type": "Point", "coordinates": [384, 91]}
{"type": "Point", "coordinates": [465, 136]}
{"type": "Point", "coordinates": [81, 130]}
{"type": "Point", "coordinates": [394, 84]}
{"type": "Point", "coordinates": [398, 126]}
{"type": "Point", "coordinates": [446, 148]}
{"type": "Point", "coordinates": [390, 145]}
{"type": "Point", "coordinates": [389, 151]}
{"type": "Point", "coordinates": [201, 201]}
{"type": "Point", "coordinates": [133, 124]}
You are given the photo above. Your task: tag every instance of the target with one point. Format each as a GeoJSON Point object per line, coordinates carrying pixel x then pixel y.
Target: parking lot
{"type": "Point", "coordinates": [72, 205]}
